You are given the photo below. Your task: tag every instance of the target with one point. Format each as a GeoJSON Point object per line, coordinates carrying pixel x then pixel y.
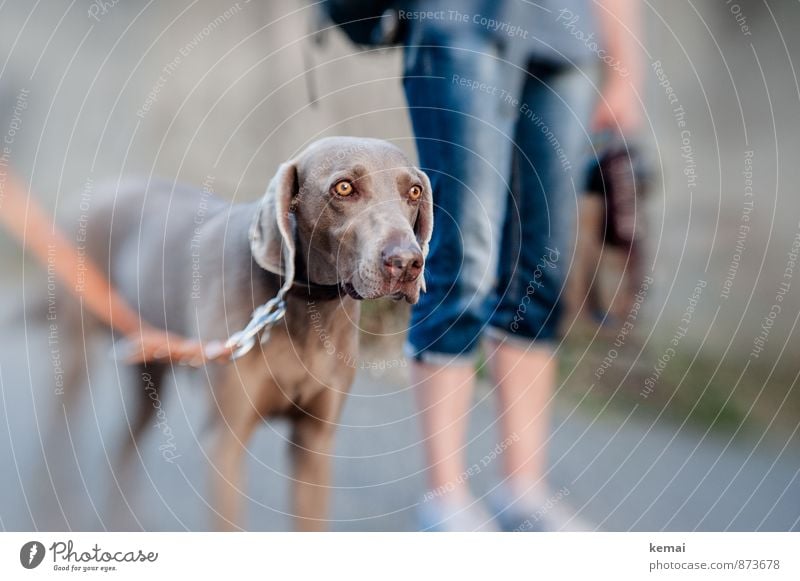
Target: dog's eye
{"type": "Point", "coordinates": [343, 188]}
{"type": "Point", "coordinates": [414, 193]}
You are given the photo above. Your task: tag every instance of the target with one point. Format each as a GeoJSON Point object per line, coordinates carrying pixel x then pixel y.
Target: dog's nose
{"type": "Point", "coordinates": [403, 263]}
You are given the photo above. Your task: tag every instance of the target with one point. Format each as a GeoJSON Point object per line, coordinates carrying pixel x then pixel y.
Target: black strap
{"type": "Point", "coordinates": [315, 292]}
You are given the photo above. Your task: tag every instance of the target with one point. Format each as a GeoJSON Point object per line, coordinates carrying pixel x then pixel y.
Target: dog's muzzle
{"type": "Point", "coordinates": [402, 263]}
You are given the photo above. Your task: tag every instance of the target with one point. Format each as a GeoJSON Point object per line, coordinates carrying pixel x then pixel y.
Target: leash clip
{"type": "Point", "coordinates": [263, 319]}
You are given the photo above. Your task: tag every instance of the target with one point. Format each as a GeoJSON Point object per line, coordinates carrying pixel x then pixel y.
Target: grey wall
{"type": "Point", "coordinates": [238, 103]}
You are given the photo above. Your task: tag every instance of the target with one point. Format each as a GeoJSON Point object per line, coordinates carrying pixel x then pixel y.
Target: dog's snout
{"type": "Point", "coordinates": [403, 263]}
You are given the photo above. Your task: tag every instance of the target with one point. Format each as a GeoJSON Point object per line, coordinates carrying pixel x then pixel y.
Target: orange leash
{"type": "Point", "coordinates": [143, 343]}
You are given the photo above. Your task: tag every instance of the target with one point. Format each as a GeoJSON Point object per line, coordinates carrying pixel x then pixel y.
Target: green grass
{"type": "Point", "coordinates": [693, 387]}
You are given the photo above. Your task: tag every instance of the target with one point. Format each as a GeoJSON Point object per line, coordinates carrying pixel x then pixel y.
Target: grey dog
{"type": "Point", "coordinates": [347, 219]}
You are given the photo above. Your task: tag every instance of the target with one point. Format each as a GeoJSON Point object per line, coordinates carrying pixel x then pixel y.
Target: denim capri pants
{"type": "Point", "coordinates": [503, 136]}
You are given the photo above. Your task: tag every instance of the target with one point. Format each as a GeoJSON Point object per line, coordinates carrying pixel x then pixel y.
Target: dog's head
{"type": "Point", "coordinates": [358, 214]}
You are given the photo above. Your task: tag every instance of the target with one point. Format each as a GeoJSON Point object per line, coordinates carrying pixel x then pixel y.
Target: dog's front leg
{"type": "Point", "coordinates": [312, 445]}
{"type": "Point", "coordinates": [237, 422]}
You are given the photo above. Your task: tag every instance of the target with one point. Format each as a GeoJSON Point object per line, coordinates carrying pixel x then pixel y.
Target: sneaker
{"type": "Point", "coordinates": [538, 509]}
{"type": "Point", "coordinates": [451, 516]}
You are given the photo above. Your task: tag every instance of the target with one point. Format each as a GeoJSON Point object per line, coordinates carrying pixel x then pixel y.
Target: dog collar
{"type": "Point", "coordinates": [316, 292]}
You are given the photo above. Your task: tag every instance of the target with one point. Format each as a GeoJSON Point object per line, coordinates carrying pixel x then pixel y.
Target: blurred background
{"type": "Point", "coordinates": [224, 91]}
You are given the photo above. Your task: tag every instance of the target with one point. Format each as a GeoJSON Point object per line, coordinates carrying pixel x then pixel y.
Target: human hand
{"type": "Point", "coordinates": [618, 108]}
{"type": "Point", "coordinates": [149, 345]}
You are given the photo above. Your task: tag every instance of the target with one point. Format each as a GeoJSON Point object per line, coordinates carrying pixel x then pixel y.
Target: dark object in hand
{"type": "Point", "coordinates": [621, 175]}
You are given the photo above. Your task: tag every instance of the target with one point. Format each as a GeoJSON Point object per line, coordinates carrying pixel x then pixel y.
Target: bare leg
{"type": "Point", "coordinates": [525, 381]}
{"type": "Point", "coordinates": [525, 502]}
{"type": "Point", "coordinates": [443, 398]}
{"type": "Point", "coordinates": [444, 394]}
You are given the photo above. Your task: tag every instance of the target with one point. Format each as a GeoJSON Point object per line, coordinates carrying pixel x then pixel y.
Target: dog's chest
{"type": "Point", "coordinates": [302, 359]}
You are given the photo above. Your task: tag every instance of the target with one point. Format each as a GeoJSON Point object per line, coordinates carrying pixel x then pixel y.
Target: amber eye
{"type": "Point", "coordinates": [414, 193]}
{"type": "Point", "coordinates": [343, 188]}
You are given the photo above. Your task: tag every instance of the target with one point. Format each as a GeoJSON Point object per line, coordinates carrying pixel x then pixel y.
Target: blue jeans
{"type": "Point", "coordinates": [503, 139]}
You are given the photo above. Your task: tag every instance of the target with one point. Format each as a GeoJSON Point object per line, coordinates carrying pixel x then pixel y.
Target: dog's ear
{"type": "Point", "coordinates": [423, 226]}
{"type": "Point", "coordinates": [273, 230]}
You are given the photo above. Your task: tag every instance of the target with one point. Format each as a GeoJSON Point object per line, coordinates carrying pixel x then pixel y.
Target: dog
{"type": "Point", "coordinates": [347, 219]}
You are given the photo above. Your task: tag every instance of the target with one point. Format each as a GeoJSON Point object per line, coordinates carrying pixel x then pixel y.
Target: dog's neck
{"type": "Point", "coordinates": [304, 287]}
